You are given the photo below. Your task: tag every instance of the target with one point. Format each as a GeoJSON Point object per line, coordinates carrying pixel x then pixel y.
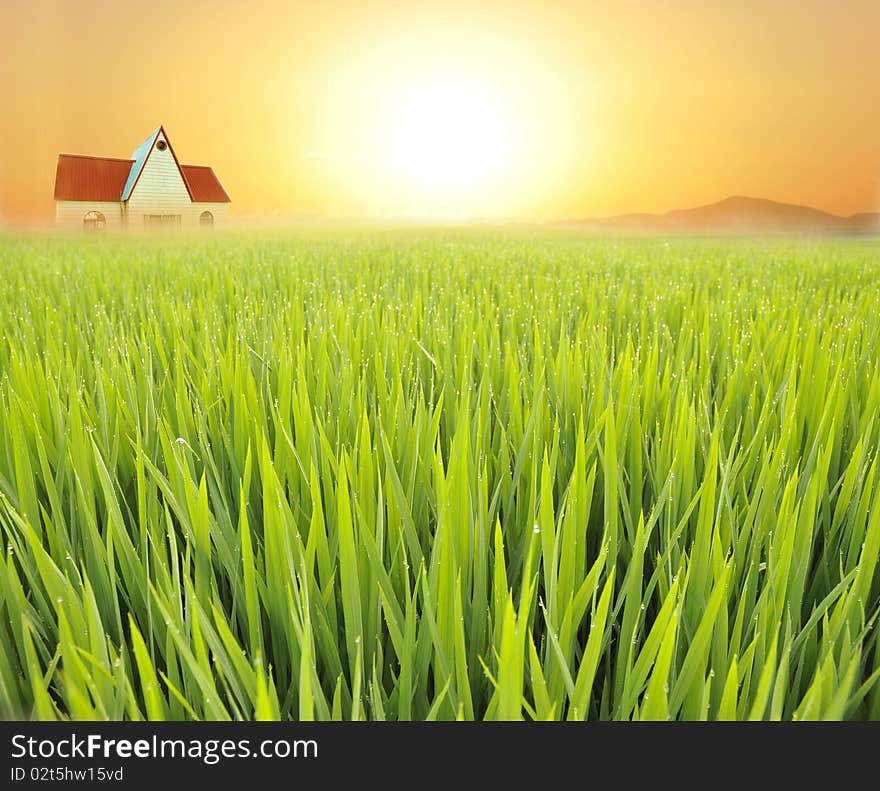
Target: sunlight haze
{"type": "Point", "coordinates": [510, 110]}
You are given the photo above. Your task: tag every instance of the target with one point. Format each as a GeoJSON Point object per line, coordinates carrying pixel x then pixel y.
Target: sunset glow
{"type": "Point", "coordinates": [510, 109]}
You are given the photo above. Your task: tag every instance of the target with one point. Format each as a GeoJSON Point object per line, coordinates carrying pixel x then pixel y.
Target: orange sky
{"type": "Point", "coordinates": [569, 108]}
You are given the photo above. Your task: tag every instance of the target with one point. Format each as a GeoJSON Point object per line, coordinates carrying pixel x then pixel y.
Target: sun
{"type": "Point", "coordinates": [448, 137]}
{"type": "Point", "coordinates": [444, 128]}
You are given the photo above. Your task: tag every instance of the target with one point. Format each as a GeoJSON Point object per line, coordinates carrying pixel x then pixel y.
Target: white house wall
{"type": "Point", "coordinates": [219, 210]}
{"type": "Point", "coordinates": [159, 190]}
{"type": "Point", "coordinates": [69, 214]}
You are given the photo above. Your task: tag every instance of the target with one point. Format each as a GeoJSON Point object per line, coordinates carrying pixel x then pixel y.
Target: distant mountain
{"type": "Point", "coordinates": [743, 215]}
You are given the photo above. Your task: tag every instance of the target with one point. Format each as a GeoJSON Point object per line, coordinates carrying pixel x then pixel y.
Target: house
{"type": "Point", "coordinates": [149, 190]}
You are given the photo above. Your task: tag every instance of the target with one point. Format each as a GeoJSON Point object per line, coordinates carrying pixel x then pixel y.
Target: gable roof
{"type": "Point", "coordinates": [90, 178]}
{"type": "Point", "coordinates": [142, 154]}
{"type": "Point", "coordinates": [81, 178]}
{"type": "Point", "coordinates": [204, 186]}
{"type": "Point", "coordinates": [139, 159]}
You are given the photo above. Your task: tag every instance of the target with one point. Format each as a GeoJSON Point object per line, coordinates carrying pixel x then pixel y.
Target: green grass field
{"type": "Point", "coordinates": [443, 474]}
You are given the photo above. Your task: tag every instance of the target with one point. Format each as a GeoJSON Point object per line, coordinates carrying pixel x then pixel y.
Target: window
{"type": "Point", "coordinates": [162, 221]}
{"type": "Point", "coordinates": [206, 219]}
{"type": "Point", "coordinates": [161, 145]}
{"type": "Point", "coordinates": [94, 221]}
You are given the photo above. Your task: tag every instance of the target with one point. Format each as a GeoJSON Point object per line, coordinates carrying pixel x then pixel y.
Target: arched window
{"type": "Point", "coordinates": [94, 221]}
{"type": "Point", "coordinates": [206, 219]}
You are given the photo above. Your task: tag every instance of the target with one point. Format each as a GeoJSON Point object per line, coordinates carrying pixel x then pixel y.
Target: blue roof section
{"type": "Point", "coordinates": [140, 157]}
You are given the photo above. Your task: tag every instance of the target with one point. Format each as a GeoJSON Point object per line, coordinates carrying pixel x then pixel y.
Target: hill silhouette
{"type": "Point", "coordinates": [740, 214]}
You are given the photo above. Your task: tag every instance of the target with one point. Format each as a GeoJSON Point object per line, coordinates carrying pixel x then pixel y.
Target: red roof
{"type": "Point", "coordinates": [204, 186]}
{"type": "Point", "coordinates": [90, 178]}
{"type": "Point", "coordinates": [85, 178]}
